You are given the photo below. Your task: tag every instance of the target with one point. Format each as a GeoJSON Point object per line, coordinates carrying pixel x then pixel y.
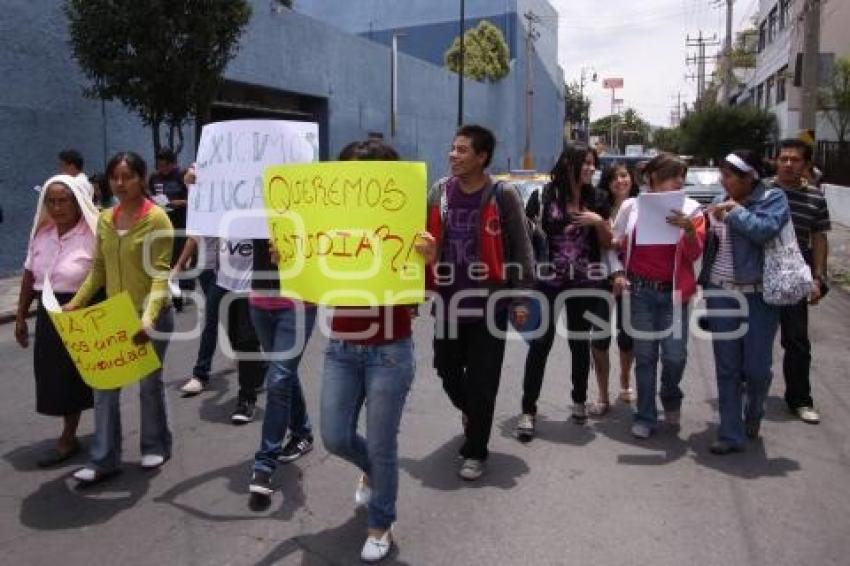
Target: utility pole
{"type": "Point", "coordinates": [811, 56]}
{"type": "Point", "coordinates": [729, 66]}
{"type": "Point", "coordinates": [530, 37]}
{"type": "Point", "coordinates": [460, 73]}
{"type": "Point", "coordinates": [585, 118]}
{"type": "Point", "coordinates": [701, 42]}
{"type": "Point", "coordinates": [394, 84]}
{"type": "Point", "coordinates": [676, 111]}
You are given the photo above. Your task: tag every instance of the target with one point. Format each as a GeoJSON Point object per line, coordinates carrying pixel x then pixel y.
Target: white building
{"type": "Point", "coordinates": [775, 83]}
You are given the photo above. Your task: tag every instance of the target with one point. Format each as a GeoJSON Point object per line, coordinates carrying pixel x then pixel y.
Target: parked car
{"type": "Point", "coordinates": [703, 184]}
{"type": "Point", "coordinates": [525, 181]}
{"type": "Point", "coordinates": [633, 162]}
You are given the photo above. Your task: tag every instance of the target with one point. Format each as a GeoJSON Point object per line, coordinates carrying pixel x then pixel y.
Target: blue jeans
{"type": "Point", "coordinates": [743, 365]}
{"type": "Point", "coordinates": [155, 436]}
{"type": "Point", "coordinates": [380, 376]}
{"type": "Point", "coordinates": [654, 311]}
{"type": "Point", "coordinates": [209, 336]}
{"type": "Point", "coordinates": [283, 335]}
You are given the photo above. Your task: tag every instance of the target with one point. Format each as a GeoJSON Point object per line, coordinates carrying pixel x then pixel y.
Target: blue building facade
{"type": "Point", "coordinates": [300, 64]}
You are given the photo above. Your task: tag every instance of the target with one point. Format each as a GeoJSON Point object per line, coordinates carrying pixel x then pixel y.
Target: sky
{"type": "Point", "coordinates": [642, 41]}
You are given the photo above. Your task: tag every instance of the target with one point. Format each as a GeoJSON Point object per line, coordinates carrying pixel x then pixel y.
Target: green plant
{"type": "Point", "coordinates": [486, 53]}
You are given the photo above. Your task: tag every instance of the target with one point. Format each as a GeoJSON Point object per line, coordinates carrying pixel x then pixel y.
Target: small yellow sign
{"type": "Point", "coordinates": [345, 231]}
{"type": "Point", "coordinates": [100, 341]}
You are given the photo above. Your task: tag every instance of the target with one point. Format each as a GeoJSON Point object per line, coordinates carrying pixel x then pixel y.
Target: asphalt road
{"type": "Point", "coordinates": [577, 494]}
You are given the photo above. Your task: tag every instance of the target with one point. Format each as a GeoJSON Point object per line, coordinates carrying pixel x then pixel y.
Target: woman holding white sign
{"type": "Point", "coordinates": [132, 254]}
{"type": "Point", "coordinates": [61, 247]}
{"type": "Point", "coordinates": [657, 278]}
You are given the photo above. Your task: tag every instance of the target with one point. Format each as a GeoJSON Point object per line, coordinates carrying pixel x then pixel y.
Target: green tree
{"type": "Point", "coordinates": [712, 133]}
{"type": "Point", "coordinates": [162, 59]}
{"type": "Point", "coordinates": [666, 139]}
{"type": "Point", "coordinates": [577, 105]}
{"type": "Point", "coordinates": [835, 99]}
{"type": "Point", "coordinates": [486, 53]}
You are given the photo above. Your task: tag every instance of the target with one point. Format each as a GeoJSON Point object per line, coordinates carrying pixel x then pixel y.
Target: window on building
{"type": "Point", "coordinates": [762, 36]}
{"type": "Point", "coordinates": [772, 22]}
{"type": "Point", "coordinates": [768, 92]}
{"type": "Point", "coordinates": [781, 77]}
{"type": "Point", "coordinates": [760, 96]}
{"type": "Point", "coordinates": [751, 96]}
{"type": "Point", "coordinates": [784, 12]}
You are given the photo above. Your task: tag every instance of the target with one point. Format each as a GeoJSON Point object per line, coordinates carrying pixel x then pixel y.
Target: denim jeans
{"type": "Point", "coordinates": [155, 436]}
{"type": "Point", "coordinates": [743, 365]}
{"type": "Point", "coordinates": [283, 335]}
{"type": "Point", "coordinates": [209, 335]}
{"type": "Point", "coordinates": [380, 376]}
{"type": "Point", "coordinates": [654, 311]}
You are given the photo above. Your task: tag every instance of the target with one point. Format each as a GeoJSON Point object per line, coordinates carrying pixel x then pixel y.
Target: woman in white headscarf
{"type": "Point", "coordinates": [61, 247]}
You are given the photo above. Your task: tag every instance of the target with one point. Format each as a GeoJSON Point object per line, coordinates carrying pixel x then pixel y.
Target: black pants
{"type": "Point", "coordinates": [538, 352]}
{"type": "Point", "coordinates": [243, 339]}
{"type": "Point", "coordinates": [797, 361]}
{"type": "Point", "coordinates": [471, 367]}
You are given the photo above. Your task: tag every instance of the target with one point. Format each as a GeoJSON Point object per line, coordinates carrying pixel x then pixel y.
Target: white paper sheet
{"type": "Point", "coordinates": [653, 210]}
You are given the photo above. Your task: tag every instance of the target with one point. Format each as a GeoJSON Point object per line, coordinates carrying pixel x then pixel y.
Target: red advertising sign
{"type": "Point", "coordinates": [612, 83]}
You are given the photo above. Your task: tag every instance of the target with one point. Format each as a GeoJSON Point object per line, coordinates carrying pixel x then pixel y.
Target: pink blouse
{"type": "Point", "coordinates": [67, 258]}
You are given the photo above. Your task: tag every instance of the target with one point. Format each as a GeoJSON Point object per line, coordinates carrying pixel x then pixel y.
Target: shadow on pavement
{"type": "Point", "coordinates": [24, 458]}
{"type": "Point", "coordinates": [337, 545]}
{"type": "Point", "coordinates": [558, 432]}
{"type": "Point", "coordinates": [753, 463]}
{"type": "Point", "coordinates": [663, 447]}
{"type": "Point", "coordinates": [286, 480]}
{"type": "Point", "coordinates": [216, 403]}
{"type": "Point", "coordinates": [776, 410]}
{"type": "Point", "coordinates": [439, 469]}
{"type": "Point", "coordinates": [58, 504]}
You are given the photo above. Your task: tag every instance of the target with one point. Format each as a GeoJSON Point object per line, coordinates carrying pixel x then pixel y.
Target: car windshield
{"type": "Point", "coordinates": [703, 177]}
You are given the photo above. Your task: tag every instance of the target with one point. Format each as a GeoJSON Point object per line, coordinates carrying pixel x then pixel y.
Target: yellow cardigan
{"type": "Point", "coordinates": [119, 263]}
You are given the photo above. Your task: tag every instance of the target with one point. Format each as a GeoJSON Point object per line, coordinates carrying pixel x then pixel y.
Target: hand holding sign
{"type": "Point", "coordinates": [101, 340]}
{"type": "Point", "coordinates": [346, 233]}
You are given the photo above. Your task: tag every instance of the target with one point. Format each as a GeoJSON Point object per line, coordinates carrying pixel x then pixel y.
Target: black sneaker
{"type": "Point", "coordinates": [261, 484]}
{"type": "Point", "coordinates": [295, 448]}
{"type": "Point", "coordinates": [244, 412]}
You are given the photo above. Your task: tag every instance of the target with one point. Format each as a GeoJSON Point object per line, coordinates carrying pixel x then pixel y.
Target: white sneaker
{"type": "Point", "coordinates": [363, 493]}
{"type": "Point", "coordinates": [579, 413]}
{"type": "Point", "coordinates": [85, 475]}
{"type": "Point", "coordinates": [471, 469]}
{"type": "Point", "coordinates": [525, 427]}
{"type": "Point", "coordinates": [376, 549]}
{"type": "Point", "coordinates": [808, 415]}
{"type": "Point", "coordinates": [192, 387]}
{"type": "Point", "coordinates": [641, 430]}
{"type": "Point", "coordinates": [151, 461]}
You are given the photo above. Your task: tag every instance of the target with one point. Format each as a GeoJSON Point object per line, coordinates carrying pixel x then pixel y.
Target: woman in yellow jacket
{"type": "Point", "coordinates": [123, 261]}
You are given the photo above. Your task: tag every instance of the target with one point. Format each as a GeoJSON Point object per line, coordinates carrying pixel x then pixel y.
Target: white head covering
{"type": "Point", "coordinates": [80, 192]}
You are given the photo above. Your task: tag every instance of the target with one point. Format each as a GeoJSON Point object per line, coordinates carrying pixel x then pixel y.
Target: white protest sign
{"type": "Point", "coordinates": [228, 192]}
{"type": "Point", "coordinates": [653, 210]}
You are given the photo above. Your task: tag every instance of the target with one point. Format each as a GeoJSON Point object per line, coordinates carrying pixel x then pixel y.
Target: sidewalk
{"type": "Point", "coordinates": [9, 290]}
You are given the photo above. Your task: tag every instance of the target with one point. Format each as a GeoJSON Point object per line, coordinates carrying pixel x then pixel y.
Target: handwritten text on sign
{"type": "Point", "coordinates": [227, 199]}
{"type": "Point", "coordinates": [345, 231]}
{"type": "Point", "coordinates": [100, 341]}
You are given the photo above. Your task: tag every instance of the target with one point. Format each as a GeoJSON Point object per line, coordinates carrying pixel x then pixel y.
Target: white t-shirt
{"type": "Point", "coordinates": [235, 264]}
{"type": "Point", "coordinates": [207, 252]}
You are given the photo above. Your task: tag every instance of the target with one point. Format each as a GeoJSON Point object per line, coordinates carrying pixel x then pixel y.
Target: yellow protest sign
{"type": "Point", "coordinates": [100, 341]}
{"type": "Point", "coordinates": [345, 231]}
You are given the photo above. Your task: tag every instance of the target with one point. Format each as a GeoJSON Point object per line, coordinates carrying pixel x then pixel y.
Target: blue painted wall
{"type": "Point", "coordinates": [42, 109]}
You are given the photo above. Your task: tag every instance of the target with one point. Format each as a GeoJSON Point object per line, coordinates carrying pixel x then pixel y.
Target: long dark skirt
{"type": "Point", "coordinates": [59, 389]}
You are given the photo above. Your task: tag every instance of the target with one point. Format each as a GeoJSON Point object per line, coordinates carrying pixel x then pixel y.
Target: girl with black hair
{"type": "Point", "coordinates": [619, 184]}
{"type": "Point", "coordinates": [574, 219]}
